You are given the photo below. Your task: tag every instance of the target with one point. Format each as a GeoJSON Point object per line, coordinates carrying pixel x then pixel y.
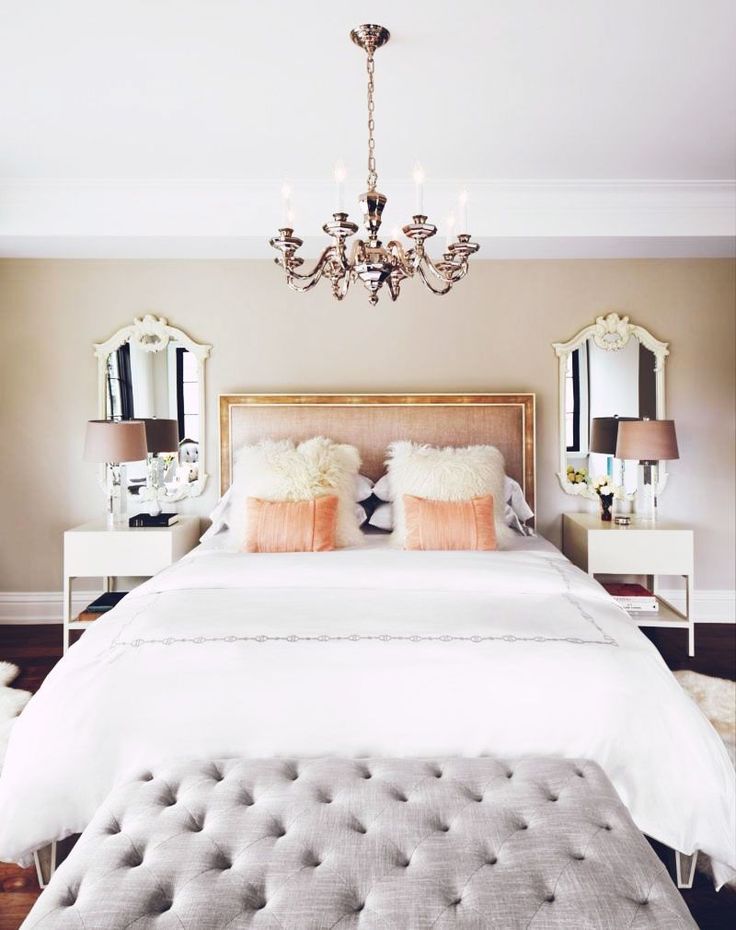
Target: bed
{"type": "Point", "coordinates": [370, 651]}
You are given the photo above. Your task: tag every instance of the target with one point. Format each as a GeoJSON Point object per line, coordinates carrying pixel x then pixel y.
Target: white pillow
{"type": "Point", "coordinates": [382, 517]}
{"type": "Point", "coordinates": [220, 516]}
{"type": "Point", "coordinates": [363, 488]}
{"type": "Point", "coordinates": [516, 510]}
{"type": "Point", "coordinates": [449, 474]}
{"type": "Point", "coordinates": [514, 496]}
{"type": "Point", "coordinates": [280, 470]}
{"type": "Point", "coordinates": [382, 489]}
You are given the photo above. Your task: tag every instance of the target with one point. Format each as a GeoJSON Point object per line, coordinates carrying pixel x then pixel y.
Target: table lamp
{"type": "Point", "coordinates": [161, 436]}
{"type": "Point", "coordinates": [603, 438]}
{"type": "Point", "coordinates": [651, 442]}
{"type": "Point", "coordinates": [113, 443]}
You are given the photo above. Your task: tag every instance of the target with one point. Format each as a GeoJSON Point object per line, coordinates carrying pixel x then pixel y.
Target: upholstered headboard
{"type": "Point", "coordinates": [372, 421]}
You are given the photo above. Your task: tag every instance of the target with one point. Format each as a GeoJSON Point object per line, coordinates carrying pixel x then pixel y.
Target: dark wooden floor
{"type": "Point", "coordinates": [36, 649]}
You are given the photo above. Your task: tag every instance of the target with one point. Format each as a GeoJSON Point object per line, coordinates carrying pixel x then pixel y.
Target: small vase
{"type": "Point", "coordinates": [606, 505]}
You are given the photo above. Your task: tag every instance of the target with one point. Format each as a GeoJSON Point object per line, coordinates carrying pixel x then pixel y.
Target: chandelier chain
{"type": "Point", "coordinates": [372, 175]}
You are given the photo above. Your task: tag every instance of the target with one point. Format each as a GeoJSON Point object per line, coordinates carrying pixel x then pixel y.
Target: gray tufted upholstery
{"type": "Point", "coordinates": [375, 843]}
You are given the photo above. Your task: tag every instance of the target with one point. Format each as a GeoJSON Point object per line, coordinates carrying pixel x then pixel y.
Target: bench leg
{"type": "Point", "coordinates": [45, 860]}
{"type": "Point", "coordinates": [685, 868]}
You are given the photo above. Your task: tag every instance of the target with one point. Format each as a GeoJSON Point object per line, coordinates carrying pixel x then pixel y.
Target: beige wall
{"type": "Point", "coordinates": [493, 333]}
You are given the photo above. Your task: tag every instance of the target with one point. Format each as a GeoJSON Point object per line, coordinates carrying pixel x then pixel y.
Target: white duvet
{"type": "Point", "coordinates": [369, 651]}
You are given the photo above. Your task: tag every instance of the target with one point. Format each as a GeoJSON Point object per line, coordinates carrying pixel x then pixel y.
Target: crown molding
{"type": "Point", "coordinates": [192, 218]}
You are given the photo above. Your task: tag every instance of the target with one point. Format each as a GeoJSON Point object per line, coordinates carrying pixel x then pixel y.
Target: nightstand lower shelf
{"type": "Point", "coordinates": [667, 616]}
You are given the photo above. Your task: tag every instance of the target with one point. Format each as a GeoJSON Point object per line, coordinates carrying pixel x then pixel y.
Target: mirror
{"type": "Point", "coordinates": [611, 368]}
{"type": "Point", "coordinates": [152, 370]}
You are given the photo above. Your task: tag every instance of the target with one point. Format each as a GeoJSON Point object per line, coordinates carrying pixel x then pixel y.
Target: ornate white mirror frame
{"type": "Point", "coordinates": [153, 334]}
{"type": "Point", "coordinates": [611, 333]}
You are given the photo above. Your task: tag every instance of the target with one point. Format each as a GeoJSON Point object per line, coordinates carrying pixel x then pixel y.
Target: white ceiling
{"type": "Point", "coordinates": [230, 90]}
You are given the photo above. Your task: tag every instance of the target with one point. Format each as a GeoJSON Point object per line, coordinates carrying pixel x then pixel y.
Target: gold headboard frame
{"type": "Point", "coordinates": [481, 418]}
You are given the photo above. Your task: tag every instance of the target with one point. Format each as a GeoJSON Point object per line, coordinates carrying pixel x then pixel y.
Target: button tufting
{"type": "Point", "coordinates": [578, 856]}
{"type": "Point", "coordinates": [401, 797]}
{"type": "Point", "coordinates": [549, 898]}
{"type": "Point", "coordinates": [523, 826]}
{"type": "Point", "coordinates": [509, 774]}
{"type": "Point", "coordinates": [360, 829]}
{"type": "Point", "coordinates": [148, 776]}
{"type": "Point", "coordinates": [491, 861]}
{"type": "Point", "coordinates": [113, 829]}
{"type": "Point", "coordinates": [553, 797]}
{"type": "Point", "coordinates": [608, 827]}
{"type": "Point", "coordinates": [455, 902]}
{"type": "Point", "coordinates": [358, 908]}
{"type": "Point", "coordinates": [579, 773]}
{"type": "Point", "coordinates": [444, 828]}
{"type": "Point", "coordinates": [247, 801]}
{"type": "Point", "coordinates": [438, 774]}
{"type": "Point", "coordinates": [643, 902]}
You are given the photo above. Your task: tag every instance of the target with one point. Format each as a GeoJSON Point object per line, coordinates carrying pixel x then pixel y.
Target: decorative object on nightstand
{"type": "Point", "coordinates": [162, 436]}
{"type": "Point", "coordinates": [643, 548]}
{"type": "Point", "coordinates": [606, 493]}
{"type": "Point", "coordinates": [93, 550]}
{"type": "Point", "coordinates": [113, 443]}
{"type": "Point", "coordinates": [651, 442]}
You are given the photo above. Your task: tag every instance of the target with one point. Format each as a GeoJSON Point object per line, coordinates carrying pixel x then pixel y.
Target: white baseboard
{"type": "Point", "coordinates": [40, 606]}
{"type": "Point", "coordinates": [710, 606]}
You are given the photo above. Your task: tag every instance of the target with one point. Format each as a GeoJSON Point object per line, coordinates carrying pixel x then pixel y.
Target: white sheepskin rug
{"type": "Point", "coordinates": [716, 697]}
{"type": "Point", "coordinates": [12, 702]}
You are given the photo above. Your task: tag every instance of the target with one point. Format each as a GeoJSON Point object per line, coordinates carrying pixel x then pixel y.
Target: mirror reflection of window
{"type": "Point", "coordinates": [187, 394]}
{"type": "Point", "coordinates": [119, 384]}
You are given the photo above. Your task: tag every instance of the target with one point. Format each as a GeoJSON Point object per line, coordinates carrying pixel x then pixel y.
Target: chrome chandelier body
{"type": "Point", "coordinates": [369, 260]}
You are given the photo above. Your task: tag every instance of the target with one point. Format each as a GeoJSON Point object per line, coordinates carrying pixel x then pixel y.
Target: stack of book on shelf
{"type": "Point", "coordinates": [632, 597]}
{"type": "Point", "coordinates": [101, 605]}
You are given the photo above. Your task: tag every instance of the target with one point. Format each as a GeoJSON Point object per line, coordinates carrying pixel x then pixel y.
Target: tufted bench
{"type": "Point", "coordinates": [371, 843]}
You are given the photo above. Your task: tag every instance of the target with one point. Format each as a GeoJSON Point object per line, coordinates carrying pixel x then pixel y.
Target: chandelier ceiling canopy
{"type": "Point", "coordinates": [369, 260]}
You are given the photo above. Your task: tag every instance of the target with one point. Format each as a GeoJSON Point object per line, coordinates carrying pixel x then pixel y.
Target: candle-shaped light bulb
{"type": "Point", "coordinates": [419, 178]}
{"type": "Point", "coordinates": [341, 173]}
{"type": "Point", "coordinates": [450, 222]}
{"type": "Point", "coordinates": [288, 213]}
{"type": "Point", "coordinates": [396, 234]}
{"type": "Point", "coordinates": [463, 202]}
{"type": "Point", "coordinates": [290, 217]}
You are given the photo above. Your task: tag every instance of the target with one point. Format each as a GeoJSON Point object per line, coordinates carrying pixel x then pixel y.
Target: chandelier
{"type": "Point", "coordinates": [369, 260]}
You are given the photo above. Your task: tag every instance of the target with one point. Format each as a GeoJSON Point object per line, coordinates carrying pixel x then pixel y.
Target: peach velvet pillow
{"type": "Point", "coordinates": [449, 524]}
{"type": "Point", "coordinates": [291, 526]}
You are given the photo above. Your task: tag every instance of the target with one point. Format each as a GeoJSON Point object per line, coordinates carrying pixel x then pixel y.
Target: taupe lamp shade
{"type": "Point", "coordinates": [647, 441]}
{"type": "Point", "coordinates": [115, 441]}
{"type": "Point", "coordinates": [604, 434]}
{"type": "Point", "coordinates": [162, 435]}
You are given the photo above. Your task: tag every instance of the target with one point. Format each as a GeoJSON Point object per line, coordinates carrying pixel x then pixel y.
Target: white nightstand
{"type": "Point", "coordinates": [651, 549]}
{"type": "Point", "coordinates": [94, 550]}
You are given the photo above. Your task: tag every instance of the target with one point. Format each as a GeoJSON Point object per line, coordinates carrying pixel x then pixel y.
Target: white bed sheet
{"type": "Point", "coordinates": [369, 651]}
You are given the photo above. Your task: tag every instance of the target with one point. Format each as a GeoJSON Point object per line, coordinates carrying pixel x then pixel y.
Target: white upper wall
{"type": "Point", "coordinates": [482, 90]}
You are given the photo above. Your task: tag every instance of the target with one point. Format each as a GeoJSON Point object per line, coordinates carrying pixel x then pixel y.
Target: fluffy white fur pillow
{"type": "Point", "coordinates": [279, 470]}
{"type": "Point", "coordinates": [450, 474]}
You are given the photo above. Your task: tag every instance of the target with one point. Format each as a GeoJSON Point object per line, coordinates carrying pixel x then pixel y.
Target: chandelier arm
{"type": "Point", "coordinates": [458, 272]}
{"type": "Point", "coordinates": [440, 291]}
{"type": "Point", "coordinates": [315, 273]}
